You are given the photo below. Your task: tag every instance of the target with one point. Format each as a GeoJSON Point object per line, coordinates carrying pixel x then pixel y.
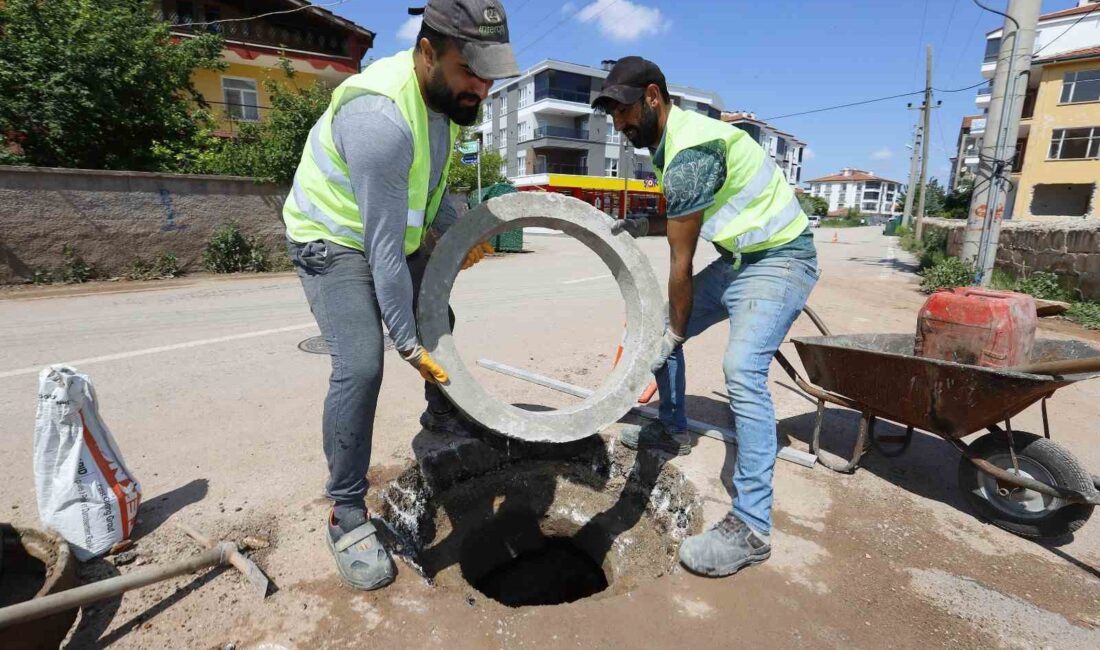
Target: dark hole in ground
{"type": "Point", "coordinates": [21, 576]}
{"type": "Point", "coordinates": [556, 572]}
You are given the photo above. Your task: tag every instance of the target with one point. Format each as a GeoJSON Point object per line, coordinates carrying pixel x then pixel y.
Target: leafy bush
{"type": "Point", "coordinates": [230, 251]}
{"type": "Point", "coordinates": [163, 267]}
{"type": "Point", "coordinates": [933, 248]}
{"type": "Point", "coordinates": [842, 222]}
{"type": "Point", "coordinates": [1043, 285]}
{"type": "Point", "coordinates": [1001, 281]}
{"type": "Point", "coordinates": [948, 273]}
{"type": "Point", "coordinates": [73, 267]}
{"type": "Point", "coordinates": [1085, 313]}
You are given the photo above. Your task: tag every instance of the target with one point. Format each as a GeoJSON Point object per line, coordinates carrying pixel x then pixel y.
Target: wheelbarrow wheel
{"type": "Point", "coordinates": [1018, 510]}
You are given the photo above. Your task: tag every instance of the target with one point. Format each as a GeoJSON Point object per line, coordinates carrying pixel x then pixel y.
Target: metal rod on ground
{"type": "Point", "coordinates": [246, 566]}
{"type": "Point", "coordinates": [695, 426]}
{"type": "Point", "coordinates": [87, 594]}
{"type": "Point", "coordinates": [926, 110]}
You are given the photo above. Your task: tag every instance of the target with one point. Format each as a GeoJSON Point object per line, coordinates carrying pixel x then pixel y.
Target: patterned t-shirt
{"type": "Point", "coordinates": [692, 180]}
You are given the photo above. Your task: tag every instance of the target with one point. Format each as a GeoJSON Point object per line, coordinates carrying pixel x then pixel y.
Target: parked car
{"type": "Point", "coordinates": [815, 221]}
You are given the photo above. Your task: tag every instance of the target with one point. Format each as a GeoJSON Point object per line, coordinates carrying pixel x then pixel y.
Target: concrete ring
{"type": "Point", "coordinates": [645, 319]}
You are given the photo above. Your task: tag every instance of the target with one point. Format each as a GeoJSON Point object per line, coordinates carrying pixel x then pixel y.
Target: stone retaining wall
{"type": "Point", "coordinates": [1070, 248]}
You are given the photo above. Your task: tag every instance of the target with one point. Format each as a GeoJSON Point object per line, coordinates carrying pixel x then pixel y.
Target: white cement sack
{"type": "Point", "coordinates": [85, 492]}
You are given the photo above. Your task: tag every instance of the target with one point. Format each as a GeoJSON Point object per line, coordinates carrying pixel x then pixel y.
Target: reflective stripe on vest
{"type": "Point", "coordinates": [763, 212]}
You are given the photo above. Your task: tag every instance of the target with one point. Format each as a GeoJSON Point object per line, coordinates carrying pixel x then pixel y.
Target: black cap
{"type": "Point", "coordinates": [628, 79]}
{"type": "Point", "coordinates": [481, 27]}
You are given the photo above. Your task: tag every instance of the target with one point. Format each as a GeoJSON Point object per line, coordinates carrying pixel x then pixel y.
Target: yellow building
{"type": "Point", "coordinates": [1060, 139]}
{"type": "Point", "coordinates": [320, 45]}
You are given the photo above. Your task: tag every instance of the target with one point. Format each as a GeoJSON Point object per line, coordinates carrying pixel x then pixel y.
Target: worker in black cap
{"type": "Point", "coordinates": [719, 184]}
{"type": "Point", "coordinates": [367, 205]}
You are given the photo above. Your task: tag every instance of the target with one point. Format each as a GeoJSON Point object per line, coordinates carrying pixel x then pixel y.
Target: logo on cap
{"type": "Point", "coordinates": [492, 16]}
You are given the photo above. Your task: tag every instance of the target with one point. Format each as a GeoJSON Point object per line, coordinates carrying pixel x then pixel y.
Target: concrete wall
{"type": "Point", "coordinates": [1058, 176]}
{"type": "Point", "coordinates": [1070, 248]}
{"type": "Point", "coordinates": [110, 217]}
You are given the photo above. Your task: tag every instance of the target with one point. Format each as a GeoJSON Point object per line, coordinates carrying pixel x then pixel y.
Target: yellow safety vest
{"type": "Point", "coordinates": [756, 209]}
{"type": "Point", "coordinates": [321, 204]}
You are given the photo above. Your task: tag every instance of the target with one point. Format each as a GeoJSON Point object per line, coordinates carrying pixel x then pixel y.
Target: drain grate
{"type": "Point", "coordinates": [317, 345]}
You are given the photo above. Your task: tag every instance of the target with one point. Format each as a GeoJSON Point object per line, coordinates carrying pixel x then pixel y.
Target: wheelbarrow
{"type": "Point", "coordinates": [1019, 481]}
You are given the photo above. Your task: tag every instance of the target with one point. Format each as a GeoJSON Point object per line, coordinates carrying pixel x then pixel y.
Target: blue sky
{"type": "Point", "coordinates": [770, 57]}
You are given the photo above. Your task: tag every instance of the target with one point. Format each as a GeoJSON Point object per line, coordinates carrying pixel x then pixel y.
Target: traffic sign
{"type": "Point", "coordinates": [468, 147]}
{"type": "Point", "coordinates": [469, 159]}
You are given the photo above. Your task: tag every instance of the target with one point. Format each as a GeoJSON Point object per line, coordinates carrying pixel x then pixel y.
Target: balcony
{"type": "Point", "coordinates": [977, 126]}
{"type": "Point", "coordinates": [561, 101]}
{"type": "Point", "coordinates": [560, 168]}
{"type": "Point", "coordinates": [560, 132]}
{"type": "Point", "coordinates": [260, 32]}
{"type": "Point", "coordinates": [983, 97]}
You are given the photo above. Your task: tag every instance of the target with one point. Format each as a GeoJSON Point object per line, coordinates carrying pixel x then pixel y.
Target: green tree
{"type": "Point", "coordinates": [814, 205]}
{"type": "Point", "coordinates": [934, 198]}
{"type": "Point", "coordinates": [95, 83]}
{"type": "Point", "coordinates": [268, 150]}
{"type": "Point", "coordinates": [956, 205]}
{"type": "Point", "coordinates": [463, 178]}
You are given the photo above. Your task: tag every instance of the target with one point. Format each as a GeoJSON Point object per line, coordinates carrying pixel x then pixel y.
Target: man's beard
{"type": "Point", "coordinates": [647, 130]}
{"type": "Point", "coordinates": [442, 100]}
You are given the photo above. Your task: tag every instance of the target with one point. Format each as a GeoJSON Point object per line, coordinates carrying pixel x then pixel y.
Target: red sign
{"type": "Point", "coordinates": [981, 210]}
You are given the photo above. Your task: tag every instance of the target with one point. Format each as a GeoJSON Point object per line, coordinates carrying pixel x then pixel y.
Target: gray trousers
{"type": "Point", "coordinates": [340, 290]}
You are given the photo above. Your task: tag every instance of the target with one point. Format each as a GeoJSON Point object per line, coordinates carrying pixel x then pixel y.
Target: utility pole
{"type": "Point", "coordinates": [987, 206]}
{"type": "Point", "coordinates": [914, 160]}
{"type": "Point", "coordinates": [927, 112]}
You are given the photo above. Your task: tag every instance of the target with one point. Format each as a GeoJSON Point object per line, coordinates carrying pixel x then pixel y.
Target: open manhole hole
{"type": "Point", "coordinates": [528, 524]}
{"type": "Point", "coordinates": [317, 345]}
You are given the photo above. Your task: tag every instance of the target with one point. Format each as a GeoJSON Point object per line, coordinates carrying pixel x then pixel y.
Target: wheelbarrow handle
{"type": "Point", "coordinates": [1061, 367]}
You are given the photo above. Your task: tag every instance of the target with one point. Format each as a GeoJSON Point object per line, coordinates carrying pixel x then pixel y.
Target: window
{"type": "Point", "coordinates": [992, 50]}
{"type": "Point", "coordinates": [521, 163]}
{"type": "Point", "coordinates": [1071, 144]}
{"type": "Point", "coordinates": [487, 111]}
{"type": "Point", "coordinates": [185, 13]}
{"type": "Point", "coordinates": [502, 139]}
{"type": "Point", "coordinates": [504, 169]}
{"type": "Point", "coordinates": [241, 99]}
{"type": "Point", "coordinates": [488, 137]}
{"type": "Point", "coordinates": [525, 92]}
{"type": "Point", "coordinates": [213, 14]}
{"type": "Point", "coordinates": [504, 103]}
{"type": "Point", "coordinates": [524, 131]}
{"type": "Point", "coordinates": [1083, 86]}
{"type": "Point", "coordinates": [611, 167]}
{"type": "Point", "coordinates": [613, 136]}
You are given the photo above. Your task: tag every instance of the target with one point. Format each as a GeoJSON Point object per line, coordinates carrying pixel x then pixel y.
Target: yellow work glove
{"type": "Point", "coordinates": [476, 253]}
{"type": "Point", "coordinates": [431, 371]}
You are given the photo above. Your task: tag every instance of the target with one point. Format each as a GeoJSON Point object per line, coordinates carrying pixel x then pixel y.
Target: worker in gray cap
{"type": "Point", "coordinates": [721, 186]}
{"type": "Point", "coordinates": [367, 206]}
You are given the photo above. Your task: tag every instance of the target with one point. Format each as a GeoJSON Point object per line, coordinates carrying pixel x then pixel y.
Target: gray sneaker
{"type": "Point", "coordinates": [449, 423]}
{"type": "Point", "coordinates": [654, 435]}
{"type": "Point", "coordinates": [724, 549]}
{"type": "Point", "coordinates": [361, 558]}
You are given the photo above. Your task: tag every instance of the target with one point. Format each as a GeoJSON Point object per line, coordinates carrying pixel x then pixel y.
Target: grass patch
{"type": "Point", "coordinates": [842, 222]}
{"type": "Point", "coordinates": [947, 273]}
{"type": "Point", "coordinates": [1086, 314]}
{"type": "Point", "coordinates": [163, 267]}
{"type": "Point", "coordinates": [231, 251]}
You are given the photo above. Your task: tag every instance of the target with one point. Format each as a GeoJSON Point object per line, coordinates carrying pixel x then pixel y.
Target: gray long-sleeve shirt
{"type": "Point", "coordinates": [373, 138]}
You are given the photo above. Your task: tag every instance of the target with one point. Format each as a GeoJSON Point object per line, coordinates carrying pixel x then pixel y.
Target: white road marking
{"type": "Point", "coordinates": [594, 277]}
{"type": "Point", "coordinates": [159, 349]}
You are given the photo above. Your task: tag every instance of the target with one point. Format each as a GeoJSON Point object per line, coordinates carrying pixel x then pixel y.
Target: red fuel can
{"type": "Point", "coordinates": [977, 326]}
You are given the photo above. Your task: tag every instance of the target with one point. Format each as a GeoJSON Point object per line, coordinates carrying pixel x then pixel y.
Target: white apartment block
{"type": "Point", "coordinates": [872, 195]}
{"type": "Point", "coordinates": [542, 123]}
{"type": "Point", "coordinates": [785, 149]}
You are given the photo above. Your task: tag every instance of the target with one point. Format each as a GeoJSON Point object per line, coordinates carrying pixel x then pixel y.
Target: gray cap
{"type": "Point", "coordinates": [481, 28]}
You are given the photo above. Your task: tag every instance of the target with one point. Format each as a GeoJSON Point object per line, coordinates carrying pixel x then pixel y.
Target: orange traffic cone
{"type": "Point", "coordinates": [834, 238]}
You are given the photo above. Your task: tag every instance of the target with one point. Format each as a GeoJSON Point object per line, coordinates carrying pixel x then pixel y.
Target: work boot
{"type": "Point", "coordinates": [654, 435]}
{"type": "Point", "coordinates": [724, 549]}
{"type": "Point", "coordinates": [448, 423]}
{"type": "Point", "coordinates": [363, 561]}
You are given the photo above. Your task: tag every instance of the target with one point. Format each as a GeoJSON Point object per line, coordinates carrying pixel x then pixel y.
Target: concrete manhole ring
{"type": "Point", "coordinates": [637, 285]}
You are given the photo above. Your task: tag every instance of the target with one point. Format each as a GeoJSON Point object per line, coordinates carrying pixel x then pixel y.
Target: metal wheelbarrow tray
{"type": "Point", "coordinates": [1020, 481]}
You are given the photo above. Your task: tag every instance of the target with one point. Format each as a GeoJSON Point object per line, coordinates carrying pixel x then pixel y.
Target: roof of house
{"type": "Point", "coordinates": [331, 17]}
{"type": "Point", "coordinates": [854, 177]}
{"type": "Point", "coordinates": [1072, 11]}
{"type": "Point", "coordinates": [1083, 53]}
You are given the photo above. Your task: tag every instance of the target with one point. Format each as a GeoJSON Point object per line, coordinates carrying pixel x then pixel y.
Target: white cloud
{"type": "Point", "coordinates": [882, 154]}
{"type": "Point", "coordinates": [808, 154]}
{"type": "Point", "coordinates": [623, 20]}
{"type": "Point", "coordinates": [568, 8]}
{"type": "Point", "coordinates": [409, 29]}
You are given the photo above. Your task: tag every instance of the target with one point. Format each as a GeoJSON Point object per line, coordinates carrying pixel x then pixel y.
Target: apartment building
{"type": "Point", "coordinates": [875, 197]}
{"type": "Point", "coordinates": [320, 46]}
{"type": "Point", "coordinates": [783, 147]}
{"type": "Point", "coordinates": [542, 124]}
{"type": "Point", "coordinates": [964, 164]}
{"type": "Point", "coordinates": [1056, 168]}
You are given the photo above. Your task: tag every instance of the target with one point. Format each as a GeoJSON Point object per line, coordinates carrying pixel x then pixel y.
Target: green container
{"type": "Point", "coordinates": [508, 242]}
{"type": "Point", "coordinates": [891, 227]}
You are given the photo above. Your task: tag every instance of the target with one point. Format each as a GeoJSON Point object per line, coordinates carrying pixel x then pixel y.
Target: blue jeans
{"type": "Point", "coordinates": [761, 300]}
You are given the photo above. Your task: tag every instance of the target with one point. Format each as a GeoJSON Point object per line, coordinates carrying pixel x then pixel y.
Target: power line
{"type": "Point", "coordinates": [920, 39]}
{"type": "Point", "coordinates": [270, 13]}
{"type": "Point", "coordinates": [950, 21]}
{"type": "Point", "coordinates": [562, 22]}
{"type": "Point", "coordinates": [969, 35]}
{"type": "Point", "coordinates": [1077, 22]}
{"type": "Point", "coordinates": [874, 100]}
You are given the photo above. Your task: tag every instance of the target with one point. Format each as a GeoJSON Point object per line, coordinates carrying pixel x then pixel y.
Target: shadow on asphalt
{"type": "Point", "coordinates": [888, 262]}
{"type": "Point", "coordinates": [155, 511]}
